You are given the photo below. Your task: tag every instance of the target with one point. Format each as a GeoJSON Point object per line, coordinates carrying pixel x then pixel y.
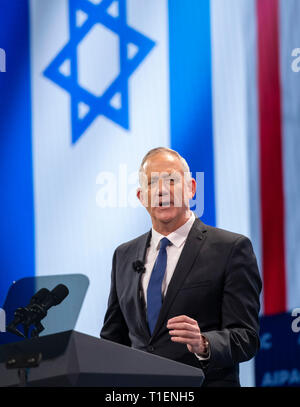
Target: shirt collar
{"type": "Point", "coordinates": [178, 237]}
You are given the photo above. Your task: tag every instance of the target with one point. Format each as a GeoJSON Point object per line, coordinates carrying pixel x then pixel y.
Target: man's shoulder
{"type": "Point", "coordinates": [219, 235]}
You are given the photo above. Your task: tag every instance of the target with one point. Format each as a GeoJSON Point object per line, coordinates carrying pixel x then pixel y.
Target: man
{"type": "Point", "coordinates": [184, 290]}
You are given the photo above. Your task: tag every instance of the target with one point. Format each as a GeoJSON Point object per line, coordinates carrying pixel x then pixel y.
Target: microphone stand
{"type": "Point", "coordinates": [24, 362]}
{"type": "Point", "coordinates": [32, 316]}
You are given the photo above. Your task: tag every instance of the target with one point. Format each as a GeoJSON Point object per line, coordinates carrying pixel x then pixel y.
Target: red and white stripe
{"type": "Point", "coordinates": [256, 98]}
{"type": "Point", "coordinates": [256, 113]}
{"type": "Point", "coordinates": [270, 154]}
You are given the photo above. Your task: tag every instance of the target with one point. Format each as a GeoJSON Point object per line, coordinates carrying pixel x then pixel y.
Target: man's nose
{"type": "Point", "coordinates": [163, 187]}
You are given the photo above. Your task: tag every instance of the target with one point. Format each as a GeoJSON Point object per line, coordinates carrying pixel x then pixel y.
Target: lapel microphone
{"type": "Point", "coordinates": [138, 266]}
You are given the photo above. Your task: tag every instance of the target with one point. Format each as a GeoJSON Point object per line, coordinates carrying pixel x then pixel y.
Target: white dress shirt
{"type": "Point", "coordinates": [178, 239]}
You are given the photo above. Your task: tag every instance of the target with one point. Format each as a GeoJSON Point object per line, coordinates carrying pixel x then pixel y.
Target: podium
{"type": "Point", "coordinates": [72, 358]}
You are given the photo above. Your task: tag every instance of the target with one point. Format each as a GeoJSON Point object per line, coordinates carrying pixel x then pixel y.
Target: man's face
{"type": "Point", "coordinates": [166, 190]}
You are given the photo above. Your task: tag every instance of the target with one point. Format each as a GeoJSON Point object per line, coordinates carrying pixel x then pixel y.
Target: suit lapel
{"type": "Point", "coordinates": [140, 255]}
{"type": "Point", "coordinates": [185, 263]}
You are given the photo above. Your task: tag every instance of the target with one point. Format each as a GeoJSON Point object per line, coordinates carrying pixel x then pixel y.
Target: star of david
{"type": "Point", "coordinates": [84, 15]}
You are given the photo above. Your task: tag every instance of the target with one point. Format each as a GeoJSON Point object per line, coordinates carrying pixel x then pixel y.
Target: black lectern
{"type": "Point", "coordinates": [72, 358]}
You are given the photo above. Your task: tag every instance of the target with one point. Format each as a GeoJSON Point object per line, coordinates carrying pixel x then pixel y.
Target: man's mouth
{"type": "Point", "coordinates": [165, 203]}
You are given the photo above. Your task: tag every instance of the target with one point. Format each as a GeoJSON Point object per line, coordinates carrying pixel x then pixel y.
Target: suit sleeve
{"type": "Point", "coordinates": [114, 327]}
{"type": "Point", "coordinates": [238, 339]}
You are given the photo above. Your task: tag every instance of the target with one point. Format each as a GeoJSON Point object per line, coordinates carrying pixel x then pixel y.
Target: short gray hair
{"type": "Point", "coordinates": [158, 150]}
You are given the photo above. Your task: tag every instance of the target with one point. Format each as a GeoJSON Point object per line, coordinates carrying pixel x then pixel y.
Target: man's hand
{"type": "Point", "coordinates": [186, 330]}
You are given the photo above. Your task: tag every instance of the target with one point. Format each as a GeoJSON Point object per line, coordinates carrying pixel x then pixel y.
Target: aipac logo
{"type": "Point", "coordinates": [2, 320]}
{"type": "Point", "coordinates": [2, 60]}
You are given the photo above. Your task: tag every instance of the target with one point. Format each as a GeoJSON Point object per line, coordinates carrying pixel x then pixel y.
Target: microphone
{"type": "Point", "coordinates": [55, 297]}
{"type": "Point", "coordinates": [38, 297]}
{"type": "Point", "coordinates": [21, 314]}
{"type": "Point", "coordinates": [37, 310]}
{"type": "Point", "coordinates": [139, 266]}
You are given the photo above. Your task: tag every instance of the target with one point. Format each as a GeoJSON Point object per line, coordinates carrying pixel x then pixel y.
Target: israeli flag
{"type": "Point", "coordinates": [99, 73]}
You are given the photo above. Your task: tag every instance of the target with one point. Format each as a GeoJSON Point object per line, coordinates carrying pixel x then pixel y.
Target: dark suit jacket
{"type": "Point", "coordinates": [216, 282]}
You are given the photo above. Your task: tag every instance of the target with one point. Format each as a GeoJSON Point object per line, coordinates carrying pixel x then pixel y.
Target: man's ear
{"type": "Point", "coordinates": [190, 189]}
{"type": "Point", "coordinates": [139, 194]}
{"type": "Point", "coordinates": [193, 187]}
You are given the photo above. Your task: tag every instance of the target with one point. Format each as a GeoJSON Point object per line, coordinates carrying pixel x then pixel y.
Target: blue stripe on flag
{"type": "Point", "coordinates": [17, 258]}
{"type": "Point", "coordinates": [190, 92]}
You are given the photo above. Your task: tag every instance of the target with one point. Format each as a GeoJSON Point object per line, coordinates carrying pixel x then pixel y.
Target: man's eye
{"type": "Point", "coordinates": [173, 180]}
{"type": "Point", "coordinates": [152, 181]}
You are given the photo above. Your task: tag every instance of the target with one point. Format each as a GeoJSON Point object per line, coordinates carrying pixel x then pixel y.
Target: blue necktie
{"type": "Point", "coordinates": [154, 294]}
